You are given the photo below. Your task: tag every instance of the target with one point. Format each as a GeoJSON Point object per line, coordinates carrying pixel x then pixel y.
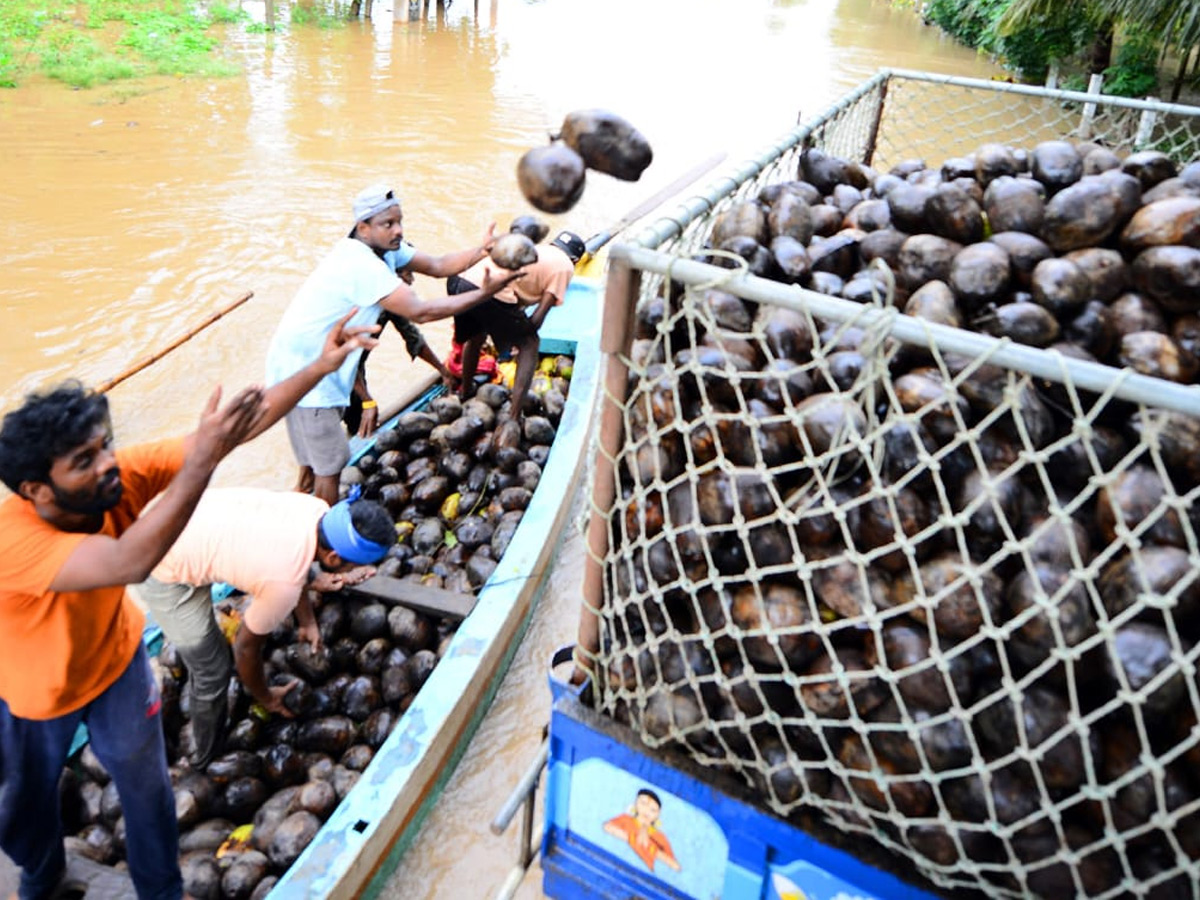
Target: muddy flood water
{"type": "Point", "coordinates": [131, 212]}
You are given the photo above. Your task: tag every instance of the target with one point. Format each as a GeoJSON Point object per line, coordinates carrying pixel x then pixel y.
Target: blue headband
{"type": "Point", "coordinates": [343, 539]}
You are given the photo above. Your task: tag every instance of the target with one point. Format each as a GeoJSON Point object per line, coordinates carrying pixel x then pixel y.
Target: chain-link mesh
{"type": "Point", "coordinates": [934, 599]}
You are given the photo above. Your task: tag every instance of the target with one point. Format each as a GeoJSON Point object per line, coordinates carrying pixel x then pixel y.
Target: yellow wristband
{"type": "Point", "coordinates": [369, 404]}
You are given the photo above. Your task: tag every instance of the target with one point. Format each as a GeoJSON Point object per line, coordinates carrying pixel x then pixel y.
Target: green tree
{"type": "Point", "coordinates": [1032, 17]}
{"type": "Point", "coordinates": [1168, 22]}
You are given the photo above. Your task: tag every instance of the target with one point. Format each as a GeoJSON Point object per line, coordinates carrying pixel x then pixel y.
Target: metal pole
{"type": "Point", "coordinates": [1145, 126]}
{"type": "Point", "coordinates": [876, 119]}
{"type": "Point", "coordinates": [527, 784]}
{"type": "Point", "coordinates": [1049, 364]}
{"type": "Point", "coordinates": [616, 337]}
{"type": "Point", "coordinates": [1089, 109]}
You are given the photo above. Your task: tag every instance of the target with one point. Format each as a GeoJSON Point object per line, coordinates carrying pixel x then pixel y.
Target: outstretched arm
{"type": "Point", "coordinates": [340, 342]}
{"type": "Point", "coordinates": [404, 301]}
{"type": "Point", "coordinates": [102, 561]}
{"type": "Point", "coordinates": [452, 263]}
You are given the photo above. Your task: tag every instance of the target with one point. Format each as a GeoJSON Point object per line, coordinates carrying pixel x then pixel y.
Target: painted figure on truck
{"type": "Point", "coordinates": [640, 828]}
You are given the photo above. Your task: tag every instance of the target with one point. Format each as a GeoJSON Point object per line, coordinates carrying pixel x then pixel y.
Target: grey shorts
{"type": "Point", "coordinates": [318, 438]}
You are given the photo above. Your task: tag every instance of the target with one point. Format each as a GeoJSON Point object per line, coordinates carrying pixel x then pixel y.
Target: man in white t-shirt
{"type": "Point", "coordinates": [277, 547]}
{"type": "Point", "coordinates": [355, 276]}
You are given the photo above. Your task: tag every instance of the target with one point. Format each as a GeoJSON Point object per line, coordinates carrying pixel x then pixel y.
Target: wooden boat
{"type": "Point", "coordinates": [372, 826]}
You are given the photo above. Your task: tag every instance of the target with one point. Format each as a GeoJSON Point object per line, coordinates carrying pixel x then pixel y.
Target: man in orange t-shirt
{"type": "Point", "coordinates": [71, 538]}
{"type": "Point", "coordinates": [503, 317]}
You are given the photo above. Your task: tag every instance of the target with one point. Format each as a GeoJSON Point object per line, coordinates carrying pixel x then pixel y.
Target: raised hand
{"type": "Point", "coordinates": [498, 280]}
{"type": "Point", "coordinates": [223, 428]}
{"type": "Point", "coordinates": [489, 238]}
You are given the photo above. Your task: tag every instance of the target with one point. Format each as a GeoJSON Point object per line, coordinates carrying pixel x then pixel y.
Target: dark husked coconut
{"type": "Point", "coordinates": [1177, 436]}
{"type": "Point", "coordinates": [979, 274]}
{"type": "Point", "coordinates": [791, 215]}
{"type": "Point", "coordinates": [1082, 215]}
{"type": "Point", "coordinates": [607, 143]}
{"type": "Point", "coordinates": [906, 205]}
{"type": "Point", "coordinates": [817, 164]}
{"type": "Point", "coordinates": [1105, 269]}
{"type": "Point", "coordinates": [1149, 167]}
{"type": "Point", "coordinates": [241, 798]}
{"type": "Point", "coordinates": [746, 218]}
{"type": "Point", "coordinates": [1043, 714]}
{"type": "Point", "coordinates": [884, 244]}
{"type": "Point", "coordinates": [1136, 312]}
{"type": "Point", "coordinates": [837, 253]}
{"type": "Point", "coordinates": [1140, 652]}
{"type": "Point", "coordinates": [1045, 598]}
{"type": "Point", "coordinates": [926, 257]}
{"type": "Point", "coordinates": [552, 178]}
{"type": "Point", "coordinates": [1175, 220]}
{"type": "Point", "coordinates": [242, 873]}
{"type": "Point", "coordinates": [993, 161]}
{"type": "Point", "coordinates": [952, 213]}
{"type": "Point", "coordinates": [278, 807]}
{"type": "Point", "coordinates": [1100, 159]}
{"type": "Point", "coordinates": [1060, 286]}
{"type": "Point", "coordinates": [283, 766]}
{"type": "Point", "coordinates": [1154, 353]}
{"type": "Point", "coordinates": [1171, 275]}
{"type": "Point", "coordinates": [201, 875]}
{"type": "Point", "coordinates": [530, 226]}
{"type": "Point", "coordinates": [952, 594]}
{"type": "Point", "coordinates": [512, 251]}
{"type": "Point", "coordinates": [331, 735]}
{"type": "Point", "coordinates": [292, 836]}
{"type": "Point", "coordinates": [1056, 164]}
{"type": "Point", "coordinates": [1025, 251]}
{"type": "Point", "coordinates": [1136, 499]}
{"type": "Point", "coordinates": [934, 302]}
{"type": "Point", "coordinates": [869, 215]}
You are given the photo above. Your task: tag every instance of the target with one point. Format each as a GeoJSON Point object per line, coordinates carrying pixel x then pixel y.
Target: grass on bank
{"type": "Point", "coordinates": [93, 42]}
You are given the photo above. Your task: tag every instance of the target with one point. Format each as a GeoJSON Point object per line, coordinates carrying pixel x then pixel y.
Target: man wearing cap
{"type": "Point", "coordinates": [503, 316]}
{"type": "Point", "coordinates": [356, 276]}
{"type": "Point", "coordinates": [299, 546]}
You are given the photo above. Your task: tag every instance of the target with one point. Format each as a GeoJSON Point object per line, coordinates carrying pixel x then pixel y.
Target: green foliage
{"type": "Point", "coordinates": [224, 14]}
{"type": "Point", "coordinates": [308, 13]}
{"type": "Point", "coordinates": [1056, 32]}
{"type": "Point", "coordinates": [132, 39]}
{"type": "Point", "coordinates": [1134, 73]}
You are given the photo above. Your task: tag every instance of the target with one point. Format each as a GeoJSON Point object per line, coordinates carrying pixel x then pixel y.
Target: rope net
{"type": "Point", "coordinates": [922, 597]}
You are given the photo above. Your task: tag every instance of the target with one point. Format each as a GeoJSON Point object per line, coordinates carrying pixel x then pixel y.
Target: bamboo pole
{"type": "Point", "coordinates": [182, 339]}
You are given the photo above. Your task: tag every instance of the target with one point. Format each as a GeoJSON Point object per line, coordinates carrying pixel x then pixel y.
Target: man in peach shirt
{"type": "Point", "coordinates": [275, 546]}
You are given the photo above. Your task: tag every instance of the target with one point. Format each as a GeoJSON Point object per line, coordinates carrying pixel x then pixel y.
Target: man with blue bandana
{"type": "Point", "coordinates": [277, 547]}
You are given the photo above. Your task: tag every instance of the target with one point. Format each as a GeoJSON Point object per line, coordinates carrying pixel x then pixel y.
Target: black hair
{"type": "Point", "coordinates": [371, 520]}
{"type": "Point", "coordinates": [48, 426]}
{"type": "Point", "coordinates": [646, 792]}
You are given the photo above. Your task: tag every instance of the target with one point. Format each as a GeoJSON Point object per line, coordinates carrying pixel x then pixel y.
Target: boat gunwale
{"type": "Point", "coordinates": [355, 845]}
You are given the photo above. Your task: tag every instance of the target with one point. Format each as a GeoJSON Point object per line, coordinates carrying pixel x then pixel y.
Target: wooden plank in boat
{"type": "Point", "coordinates": [423, 598]}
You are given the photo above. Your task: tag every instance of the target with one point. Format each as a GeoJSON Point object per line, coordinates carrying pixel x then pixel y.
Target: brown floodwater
{"type": "Point", "coordinates": [132, 211]}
